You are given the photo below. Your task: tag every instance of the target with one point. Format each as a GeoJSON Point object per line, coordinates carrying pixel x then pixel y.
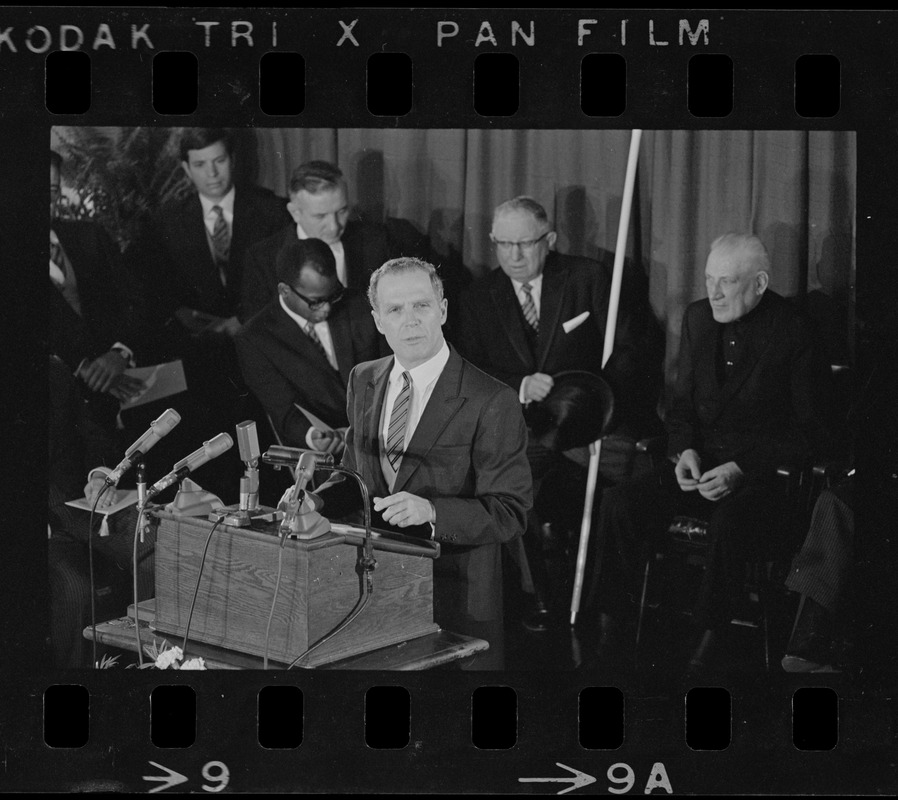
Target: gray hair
{"type": "Point", "coordinates": [523, 203]}
{"type": "Point", "coordinates": [754, 252]}
{"type": "Point", "coordinates": [397, 266]}
{"type": "Point", "coordinates": [315, 177]}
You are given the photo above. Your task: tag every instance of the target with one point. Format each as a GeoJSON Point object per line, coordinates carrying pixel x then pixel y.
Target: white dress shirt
{"type": "Point", "coordinates": [336, 249]}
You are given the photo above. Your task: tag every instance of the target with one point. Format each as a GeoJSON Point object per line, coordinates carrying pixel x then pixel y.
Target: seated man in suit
{"type": "Point", "coordinates": [193, 248]}
{"type": "Point", "coordinates": [540, 314]}
{"type": "Point", "coordinates": [90, 320]}
{"type": "Point", "coordinates": [192, 256]}
{"type": "Point", "coordinates": [298, 351]}
{"type": "Point", "coordinates": [442, 449]}
{"type": "Point", "coordinates": [752, 393]}
{"type": "Point", "coordinates": [319, 206]}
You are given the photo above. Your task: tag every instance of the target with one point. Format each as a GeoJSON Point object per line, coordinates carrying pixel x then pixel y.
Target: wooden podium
{"type": "Point", "coordinates": [320, 586]}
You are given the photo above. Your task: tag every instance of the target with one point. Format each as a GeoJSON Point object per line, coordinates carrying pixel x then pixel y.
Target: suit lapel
{"type": "Point", "coordinates": [509, 314]}
{"type": "Point", "coordinates": [554, 285]}
{"type": "Point", "coordinates": [375, 395]}
{"type": "Point", "coordinates": [444, 403]}
{"type": "Point", "coordinates": [289, 332]}
{"type": "Point", "coordinates": [341, 336]}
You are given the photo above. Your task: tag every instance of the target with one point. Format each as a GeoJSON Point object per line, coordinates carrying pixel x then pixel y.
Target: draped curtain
{"type": "Point", "coordinates": [795, 189]}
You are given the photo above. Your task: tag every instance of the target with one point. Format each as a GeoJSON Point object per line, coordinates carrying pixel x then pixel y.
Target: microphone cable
{"type": "Point", "coordinates": [366, 561]}
{"type": "Point", "coordinates": [90, 569]}
{"type": "Point", "coordinates": [196, 589]}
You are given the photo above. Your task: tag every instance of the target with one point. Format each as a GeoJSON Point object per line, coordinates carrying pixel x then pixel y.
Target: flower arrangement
{"type": "Point", "coordinates": [164, 657]}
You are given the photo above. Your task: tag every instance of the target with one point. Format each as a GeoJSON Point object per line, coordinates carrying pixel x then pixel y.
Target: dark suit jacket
{"type": "Point", "coordinates": [776, 407]}
{"type": "Point", "coordinates": [365, 245]}
{"type": "Point", "coordinates": [492, 335]}
{"type": "Point", "coordinates": [282, 366]}
{"type": "Point", "coordinates": [106, 297]}
{"type": "Point", "coordinates": [179, 270]}
{"type": "Point", "coordinates": [468, 457]}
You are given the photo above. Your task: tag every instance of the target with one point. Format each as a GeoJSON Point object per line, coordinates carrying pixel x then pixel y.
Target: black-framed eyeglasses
{"type": "Point", "coordinates": [314, 305]}
{"type": "Point", "coordinates": [526, 246]}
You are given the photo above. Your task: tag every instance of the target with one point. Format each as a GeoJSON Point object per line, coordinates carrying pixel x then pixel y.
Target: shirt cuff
{"type": "Point", "coordinates": [521, 390]}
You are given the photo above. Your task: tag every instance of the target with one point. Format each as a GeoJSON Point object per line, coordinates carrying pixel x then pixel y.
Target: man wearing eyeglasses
{"type": "Point", "coordinates": [540, 314]}
{"type": "Point", "coordinates": [296, 354]}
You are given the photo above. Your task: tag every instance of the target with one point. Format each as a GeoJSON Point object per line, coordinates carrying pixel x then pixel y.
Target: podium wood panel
{"type": "Point", "coordinates": [320, 586]}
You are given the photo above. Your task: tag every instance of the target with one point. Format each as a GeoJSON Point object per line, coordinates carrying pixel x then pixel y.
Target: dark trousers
{"type": "Point", "coordinates": [741, 527]}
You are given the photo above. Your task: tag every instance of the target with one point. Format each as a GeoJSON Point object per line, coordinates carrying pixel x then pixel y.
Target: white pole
{"type": "Point", "coordinates": [595, 448]}
{"type": "Point", "coordinates": [620, 250]}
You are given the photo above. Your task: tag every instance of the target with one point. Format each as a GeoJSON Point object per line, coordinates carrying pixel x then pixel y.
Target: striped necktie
{"type": "Point", "coordinates": [313, 335]}
{"type": "Point", "coordinates": [529, 308]}
{"type": "Point", "coordinates": [399, 422]}
{"type": "Point", "coordinates": [221, 238]}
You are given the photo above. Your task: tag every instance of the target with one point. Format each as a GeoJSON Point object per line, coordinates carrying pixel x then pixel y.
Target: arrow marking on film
{"type": "Point", "coordinates": [171, 779]}
{"type": "Point", "coordinates": [579, 779]}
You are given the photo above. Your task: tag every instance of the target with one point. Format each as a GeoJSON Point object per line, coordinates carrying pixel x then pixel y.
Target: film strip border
{"type": "Point", "coordinates": [448, 68]}
{"type": "Point", "coordinates": [435, 733]}
{"type": "Point", "coordinates": [764, 49]}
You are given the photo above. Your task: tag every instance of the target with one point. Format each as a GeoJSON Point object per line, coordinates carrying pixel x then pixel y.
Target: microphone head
{"type": "Point", "coordinates": [218, 445]}
{"type": "Point", "coordinates": [248, 440]}
{"type": "Point", "coordinates": [166, 421]}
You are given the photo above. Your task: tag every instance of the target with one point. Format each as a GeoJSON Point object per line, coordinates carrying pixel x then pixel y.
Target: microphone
{"type": "Point", "coordinates": [211, 449]}
{"type": "Point", "coordinates": [158, 428]}
{"type": "Point", "coordinates": [280, 456]}
{"type": "Point", "coordinates": [248, 441]}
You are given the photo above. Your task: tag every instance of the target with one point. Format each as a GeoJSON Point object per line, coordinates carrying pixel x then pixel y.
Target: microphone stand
{"type": "Point", "coordinates": [242, 514]}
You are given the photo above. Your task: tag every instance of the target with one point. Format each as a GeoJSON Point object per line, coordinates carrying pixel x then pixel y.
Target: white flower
{"type": "Point", "coordinates": [193, 663]}
{"type": "Point", "coordinates": [169, 658]}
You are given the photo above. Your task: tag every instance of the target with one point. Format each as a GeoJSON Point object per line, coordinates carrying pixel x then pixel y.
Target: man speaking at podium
{"type": "Point", "coordinates": [442, 449]}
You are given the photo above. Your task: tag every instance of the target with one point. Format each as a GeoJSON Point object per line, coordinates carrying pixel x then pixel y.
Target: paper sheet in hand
{"type": "Point", "coordinates": [162, 380]}
{"type": "Point", "coordinates": [128, 498]}
{"type": "Point", "coordinates": [314, 421]}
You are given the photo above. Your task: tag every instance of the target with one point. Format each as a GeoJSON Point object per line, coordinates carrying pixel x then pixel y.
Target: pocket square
{"type": "Point", "coordinates": [575, 322]}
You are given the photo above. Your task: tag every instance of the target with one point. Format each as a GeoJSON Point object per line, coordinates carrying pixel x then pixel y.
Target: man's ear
{"type": "Point", "coordinates": [763, 280]}
{"type": "Point", "coordinates": [550, 239]}
{"type": "Point", "coordinates": [294, 211]}
{"type": "Point", "coordinates": [377, 321]}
